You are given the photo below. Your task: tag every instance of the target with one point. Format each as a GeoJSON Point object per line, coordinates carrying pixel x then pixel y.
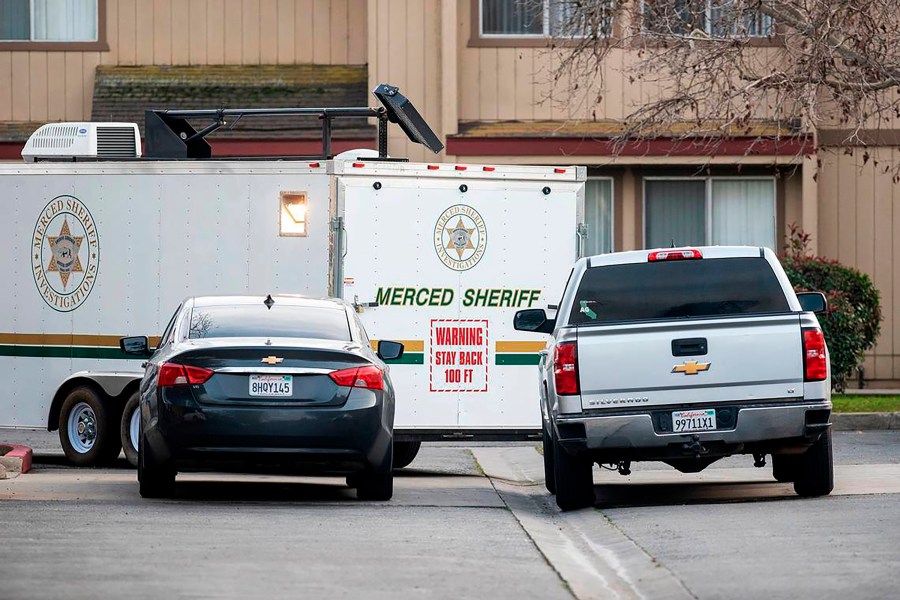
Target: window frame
{"type": "Point", "coordinates": [98, 45]}
{"type": "Point", "coordinates": [708, 204]}
{"type": "Point", "coordinates": [707, 26]}
{"type": "Point", "coordinates": [513, 39]}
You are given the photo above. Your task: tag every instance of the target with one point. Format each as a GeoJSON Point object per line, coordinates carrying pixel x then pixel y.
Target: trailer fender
{"type": "Point", "coordinates": [112, 384]}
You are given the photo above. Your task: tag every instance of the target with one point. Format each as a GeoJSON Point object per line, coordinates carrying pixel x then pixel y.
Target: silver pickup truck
{"type": "Point", "coordinates": [685, 356]}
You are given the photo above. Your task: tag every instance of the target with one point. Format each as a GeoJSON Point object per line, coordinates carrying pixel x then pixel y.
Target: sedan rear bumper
{"type": "Point", "coordinates": [755, 426]}
{"type": "Point", "coordinates": [348, 438]}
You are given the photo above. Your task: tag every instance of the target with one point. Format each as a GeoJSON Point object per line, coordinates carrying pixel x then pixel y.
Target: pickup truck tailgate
{"type": "Point", "coordinates": [696, 361]}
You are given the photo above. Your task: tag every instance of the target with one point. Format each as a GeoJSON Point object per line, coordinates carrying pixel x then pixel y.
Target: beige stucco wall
{"type": "Point", "coordinates": [58, 85]}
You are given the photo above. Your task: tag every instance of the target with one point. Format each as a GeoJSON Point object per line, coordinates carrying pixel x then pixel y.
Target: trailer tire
{"type": "Point", "coordinates": [815, 476]}
{"type": "Point", "coordinates": [574, 479]}
{"type": "Point", "coordinates": [785, 467]}
{"type": "Point", "coordinates": [549, 467]}
{"type": "Point", "coordinates": [155, 479]}
{"type": "Point", "coordinates": [130, 428]}
{"type": "Point", "coordinates": [87, 429]}
{"type": "Point", "coordinates": [405, 453]}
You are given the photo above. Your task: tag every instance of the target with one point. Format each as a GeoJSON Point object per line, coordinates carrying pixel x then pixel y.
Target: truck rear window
{"type": "Point", "coordinates": [678, 290]}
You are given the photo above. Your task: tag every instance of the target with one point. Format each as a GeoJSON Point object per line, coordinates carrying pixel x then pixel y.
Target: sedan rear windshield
{"type": "Point", "coordinates": [678, 290]}
{"type": "Point", "coordinates": [279, 321]}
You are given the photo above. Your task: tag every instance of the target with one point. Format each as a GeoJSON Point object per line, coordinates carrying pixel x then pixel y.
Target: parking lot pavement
{"type": "Point", "coordinates": [729, 532]}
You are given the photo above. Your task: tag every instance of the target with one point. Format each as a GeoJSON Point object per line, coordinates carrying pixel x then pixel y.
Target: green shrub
{"type": "Point", "coordinates": [853, 320]}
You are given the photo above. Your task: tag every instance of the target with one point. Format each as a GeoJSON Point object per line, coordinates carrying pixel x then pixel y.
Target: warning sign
{"type": "Point", "coordinates": [458, 359]}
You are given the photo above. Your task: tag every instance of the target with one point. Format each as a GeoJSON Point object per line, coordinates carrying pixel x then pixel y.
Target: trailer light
{"type": "Point", "coordinates": [559, 170]}
{"type": "Point", "coordinates": [461, 168]}
{"type": "Point", "coordinates": [432, 167]}
{"type": "Point", "coordinates": [487, 168]}
{"type": "Point", "coordinates": [292, 218]}
{"type": "Point", "coordinates": [314, 165]}
{"type": "Point", "coordinates": [660, 255]}
{"type": "Point", "coordinates": [358, 165]}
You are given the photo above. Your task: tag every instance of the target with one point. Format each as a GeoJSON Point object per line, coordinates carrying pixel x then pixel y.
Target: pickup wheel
{"type": "Point", "coordinates": [130, 428]}
{"type": "Point", "coordinates": [405, 453]}
{"type": "Point", "coordinates": [815, 476]}
{"type": "Point", "coordinates": [785, 467]}
{"type": "Point", "coordinates": [549, 467]}
{"type": "Point", "coordinates": [574, 479]}
{"type": "Point", "coordinates": [87, 429]}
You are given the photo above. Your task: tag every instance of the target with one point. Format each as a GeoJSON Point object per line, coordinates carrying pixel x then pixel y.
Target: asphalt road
{"type": "Point", "coordinates": [451, 532]}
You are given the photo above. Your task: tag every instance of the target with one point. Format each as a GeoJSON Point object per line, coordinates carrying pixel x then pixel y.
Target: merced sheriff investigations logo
{"type": "Point", "coordinates": [65, 253]}
{"type": "Point", "coordinates": [460, 237]}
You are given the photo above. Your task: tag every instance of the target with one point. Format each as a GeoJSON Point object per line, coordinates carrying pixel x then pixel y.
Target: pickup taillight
{"type": "Point", "coordinates": [815, 358]}
{"type": "Point", "coordinates": [565, 369]}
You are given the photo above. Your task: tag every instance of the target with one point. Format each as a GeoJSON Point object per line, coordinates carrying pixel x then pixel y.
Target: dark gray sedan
{"type": "Point", "coordinates": [266, 384]}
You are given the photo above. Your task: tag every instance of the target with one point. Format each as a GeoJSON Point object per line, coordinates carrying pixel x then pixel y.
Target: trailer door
{"type": "Point", "coordinates": [448, 263]}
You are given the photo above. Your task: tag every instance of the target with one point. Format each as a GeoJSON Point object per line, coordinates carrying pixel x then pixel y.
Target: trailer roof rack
{"type": "Point", "coordinates": [169, 134]}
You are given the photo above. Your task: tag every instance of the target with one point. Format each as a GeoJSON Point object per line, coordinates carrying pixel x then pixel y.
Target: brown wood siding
{"type": "Point", "coordinates": [49, 86]}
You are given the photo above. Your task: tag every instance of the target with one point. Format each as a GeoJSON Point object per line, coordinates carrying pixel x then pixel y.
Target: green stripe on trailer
{"type": "Point", "coordinates": [65, 352]}
{"type": "Point", "coordinates": [517, 358]}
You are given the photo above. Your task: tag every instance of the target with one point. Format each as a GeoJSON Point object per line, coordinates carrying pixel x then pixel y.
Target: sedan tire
{"type": "Point", "coordinates": [156, 480]}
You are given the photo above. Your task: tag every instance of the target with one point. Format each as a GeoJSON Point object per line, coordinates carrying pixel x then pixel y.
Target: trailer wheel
{"type": "Point", "coordinates": [130, 428]}
{"type": "Point", "coordinates": [574, 479]}
{"type": "Point", "coordinates": [87, 430]}
{"type": "Point", "coordinates": [405, 453]}
{"type": "Point", "coordinates": [815, 476]}
{"type": "Point", "coordinates": [549, 467]}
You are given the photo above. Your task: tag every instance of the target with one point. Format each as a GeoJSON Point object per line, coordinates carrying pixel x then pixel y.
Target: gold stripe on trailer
{"type": "Point", "coordinates": [408, 345]}
{"type": "Point", "coordinates": [64, 339]}
{"type": "Point", "coordinates": [520, 346]}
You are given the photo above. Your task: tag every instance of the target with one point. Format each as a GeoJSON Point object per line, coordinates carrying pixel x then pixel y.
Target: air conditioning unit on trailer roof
{"type": "Point", "coordinates": [83, 141]}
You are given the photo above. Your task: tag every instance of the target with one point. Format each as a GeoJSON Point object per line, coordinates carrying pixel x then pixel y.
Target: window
{"type": "Point", "coordinates": [678, 290]}
{"type": "Point", "coordinates": [48, 20]}
{"type": "Point", "coordinates": [718, 18]}
{"type": "Point", "coordinates": [252, 320]}
{"type": "Point", "coordinates": [543, 18]}
{"type": "Point", "coordinates": [713, 211]}
{"type": "Point", "coordinates": [598, 216]}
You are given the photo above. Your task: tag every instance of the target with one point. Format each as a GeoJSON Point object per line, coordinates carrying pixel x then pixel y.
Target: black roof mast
{"type": "Point", "coordinates": [168, 134]}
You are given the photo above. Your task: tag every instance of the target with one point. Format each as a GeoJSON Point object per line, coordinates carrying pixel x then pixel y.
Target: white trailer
{"type": "Point", "coordinates": [438, 256]}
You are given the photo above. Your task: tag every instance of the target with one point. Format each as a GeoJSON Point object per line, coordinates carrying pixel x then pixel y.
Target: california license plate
{"type": "Point", "coordinates": [271, 385]}
{"type": "Point", "coordinates": [694, 420]}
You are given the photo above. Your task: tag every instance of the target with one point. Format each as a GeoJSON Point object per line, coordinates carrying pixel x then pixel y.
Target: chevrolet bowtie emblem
{"type": "Point", "coordinates": [272, 360]}
{"type": "Point", "coordinates": [691, 367]}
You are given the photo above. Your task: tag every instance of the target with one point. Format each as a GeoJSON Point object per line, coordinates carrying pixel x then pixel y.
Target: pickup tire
{"type": "Point", "coordinates": [785, 467]}
{"type": "Point", "coordinates": [405, 453]}
{"type": "Point", "coordinates": [816, 474]}
{"type": "Point", "coordinates": [574, 479]}
{"type": "Point", "coordinates": [156, 479]}
{"type": "Point", "coordinates": [87, 428]}
{"type": "Point", "coordinates": [549, 467]}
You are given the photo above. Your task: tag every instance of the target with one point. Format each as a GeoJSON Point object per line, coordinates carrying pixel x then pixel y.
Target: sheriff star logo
{"type": "Point", "coordinates": [272, 360]}
{"type": "Point", "coordinates": [65, 249]}
{"type": "Point", "coordinates": [460, 238]}
{"type": "Point", "coordinates": [691, 367]}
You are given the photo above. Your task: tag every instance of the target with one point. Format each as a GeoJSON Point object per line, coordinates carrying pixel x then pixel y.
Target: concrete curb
{"type": "Point", "coordinates": [865, 421]}
{"type": "Point", "coordinates": [17, 460]}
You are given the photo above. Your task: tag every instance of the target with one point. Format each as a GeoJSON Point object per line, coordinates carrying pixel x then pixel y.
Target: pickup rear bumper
{"type": "Point", "coordinates": [778, 425]}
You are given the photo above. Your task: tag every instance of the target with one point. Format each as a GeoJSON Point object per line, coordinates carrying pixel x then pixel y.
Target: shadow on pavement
{"type": "Point", "coordinates": [264, 491]}
{"type": "Point", "coordinates": [661, 494]}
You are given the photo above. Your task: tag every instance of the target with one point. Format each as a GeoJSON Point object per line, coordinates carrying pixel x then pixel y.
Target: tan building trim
{"type": "Point", "coordinates": [100, 45]}
{"type": "Point", "coordinates": [863, 137]}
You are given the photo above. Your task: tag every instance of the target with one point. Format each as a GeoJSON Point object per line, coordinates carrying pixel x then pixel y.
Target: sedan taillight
{"type": "Point", "coordinates": [172, 374]}
{"type": "Point", "coordinates": [565, 369]}
{"type": "Point", "coordinates": [369, 377]}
